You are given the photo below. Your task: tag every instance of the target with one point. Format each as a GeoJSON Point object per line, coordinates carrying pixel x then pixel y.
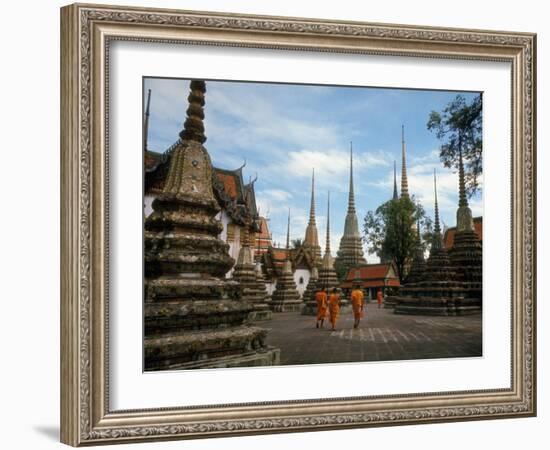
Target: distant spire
{"type": "Point", "coordinates": [193, 128]}
{"type": "Point", "coordinates": [404, 182]}
{"type": "Point", "coordinates": [437, 228]}
{"type": "Point", "coordinates": [146, 122]}
{"type": "Point", "coordinates": [327, 244]}
{"type": "Point", "coordinates": [351, 198]}
{"type": "Point", "coordinates": [288, 232]}
{"type": "Point", "coordinates": [350, 251]}
{"type": "Point", "coordinates": [462, 199]}
{"type": "Point", "coordinates": [311, 239]}
{"type": "Point", "coordinates": [312, 203]}
{"type": "Point", "coordinates": [395, 194]}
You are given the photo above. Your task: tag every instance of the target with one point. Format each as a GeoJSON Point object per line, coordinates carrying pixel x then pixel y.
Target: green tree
{"type": "Point", "coordinates": [459, 128]}
{"type": "Point", "coordinates": [391, 232]}
{"type": "Point", "coordinates": [296, 243]}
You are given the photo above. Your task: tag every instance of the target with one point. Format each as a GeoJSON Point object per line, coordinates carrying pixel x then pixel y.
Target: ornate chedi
{"type": "Point", "coordinates": [438, 292]}
{"type": "Point", "coordinates": [192, 316]}
{"type": "Point", "coordinates": [286, 298]}
{"type": "Point", "coordinates": [260, 280]}
{"type": "Point", "coordinates": [466, 253]}
{"type": "Point", "coordinates": [250, 288]}
{"type": "Point", "coordinates": [327, 274]}
{"type": "Point", "coordinates": [310, 304]}
{"type": "Point", "coordinates": [311, 240]}
{"type": "Point", "coordinates": [350, 253]}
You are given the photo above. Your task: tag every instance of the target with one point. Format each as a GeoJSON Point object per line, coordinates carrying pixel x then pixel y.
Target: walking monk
{"type": "Point", "coordinates": [379, 298]}
{"type": "Point", "coordinates": [321, 299]}
{"type": "Point", "coordinates": [334, 307]}
{"type": "Point", "coordinates": [357, 305]}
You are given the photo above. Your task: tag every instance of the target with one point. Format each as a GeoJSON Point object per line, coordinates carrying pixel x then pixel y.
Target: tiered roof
{"type": "Point", "coordinates": [372, 276]}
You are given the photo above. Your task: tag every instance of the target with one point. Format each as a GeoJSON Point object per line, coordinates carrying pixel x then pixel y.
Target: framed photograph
{"type": "Point", "coordinates": [279, 224]}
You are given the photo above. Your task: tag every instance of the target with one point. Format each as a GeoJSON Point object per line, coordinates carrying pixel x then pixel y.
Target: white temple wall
{"type": "Point", "coordinates": [148, 205]}
{"type": "Point", "coordinates": [270, 286]}
{"type": "Point", "coordinates": [224, 218]}
{"type": "Point", "coordinates": [301, 278]}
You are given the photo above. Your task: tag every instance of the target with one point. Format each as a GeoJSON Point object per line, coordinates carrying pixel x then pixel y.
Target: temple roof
{"type": "Point", "coordinates": [274, 260]}
{"type": "Point", "coordinates": [234, 196]}
{"type": "Point", "coordinates": [372, 275]}
{"type": "Point", "coordinates": [449, 237]}
{"type": "Point", "coordinates": [151, 160]}
{"type": "Point", "coordinates": [264, 229]}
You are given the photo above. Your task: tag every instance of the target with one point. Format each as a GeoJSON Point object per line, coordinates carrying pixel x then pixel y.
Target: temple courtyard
{"type": "Point", "coordinates": [382, 336]}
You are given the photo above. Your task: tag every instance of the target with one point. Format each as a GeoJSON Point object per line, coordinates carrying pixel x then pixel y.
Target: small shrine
{"type": "Point", "coordinates": [286, 297]}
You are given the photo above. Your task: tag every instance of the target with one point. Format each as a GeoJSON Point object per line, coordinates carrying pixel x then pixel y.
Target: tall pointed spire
{"type": "Point", "coordinates": [327, 243]}
{"type": "Point", "coordinates": [312, 202]}
{"type": "Point", "coordinates": [466, 252]}
{"type": "Point", "coordinates": [462, 199]}
{"type": "Point", "coordinates": [351, 196]}
{"type": "Point", "coordinates": [464, 219]}
{"type": "Point", "coordinates": [436, 243]}
{"type": "Point", "coordinates": [350, 252]}
{"type": "Point", "coordinates": [404, 181]}
{"type": "Point", "coordinates": [327, 275]}
{"type": "Point", "coordinates": [311, 240]}
{"type": "Point", "coordinates": [193, 128]}
{"type": "Point", "coordinates": [395, 194]}
{"type": "Point", "coordinates": [288, 232]}
{"type": "Point", "coordinates": [146, 122]}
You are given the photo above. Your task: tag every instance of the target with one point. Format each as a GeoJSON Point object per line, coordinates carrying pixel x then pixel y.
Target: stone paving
{"type": "Point", "coordinates": [381, 336]}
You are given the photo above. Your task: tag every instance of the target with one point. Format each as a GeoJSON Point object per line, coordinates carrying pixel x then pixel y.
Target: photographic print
{"type": "Point", "coordinates": [292, 224]}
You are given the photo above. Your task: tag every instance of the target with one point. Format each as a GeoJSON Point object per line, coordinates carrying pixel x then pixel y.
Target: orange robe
{"type": "Point", "coordinates": [334, 308]}
{"type": "Point", "coordinates": [321, 299]}
{"type": "Point", "coordinates": [357, 303]}
{"type": "Point", "coordinates": [379, 297]}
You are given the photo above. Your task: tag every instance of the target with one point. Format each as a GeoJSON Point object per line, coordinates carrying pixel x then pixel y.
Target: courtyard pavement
{"type": "Point", "coordinates": [381, 336]}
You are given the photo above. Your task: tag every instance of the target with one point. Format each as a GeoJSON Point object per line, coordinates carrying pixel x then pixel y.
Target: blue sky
{"type": "Point", "coordinates": [284, 131]}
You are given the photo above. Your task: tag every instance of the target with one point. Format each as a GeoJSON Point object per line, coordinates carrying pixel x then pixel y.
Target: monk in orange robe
{"type": "Point", "coordinates": [357, 305]}
{"type": "Point", "coordinates": [321, 299]}
{"type": "Point", "coordinates": [379, 298]}
{"type": "Point", "coordinates": [334, 307]}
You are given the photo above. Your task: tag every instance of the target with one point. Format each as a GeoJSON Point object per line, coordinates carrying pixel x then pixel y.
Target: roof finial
{"type": "Point", "coordinates": [146, 122]}
{"type": "Point", "coordinates": [193, 128]}
{"type": "Point", "coordinates": [437, 228]}
{"type": "Point", "coordinates": [395, 194]}
{"type": "Point", "coordinates": [404, 182]}
{"type": "Point", "coordinates": [242, 166]}
{"type": "Point", "coordinates": [327, 244]}
{"type": "Point", "coordinates": [351, 199]}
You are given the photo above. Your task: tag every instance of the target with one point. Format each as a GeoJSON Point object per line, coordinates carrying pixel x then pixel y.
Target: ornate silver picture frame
{"type": "Point", "coordinates": [87, 33]}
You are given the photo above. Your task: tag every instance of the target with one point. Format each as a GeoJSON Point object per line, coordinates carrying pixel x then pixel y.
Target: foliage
{"type": "Point", "coordinates": [340, 268]}
{"type": "Point", "coordinates": [296, 243]}
{"type": "Point", "coordinates": [391, 232]}
{"type": "Point", "coordinates": [459, 128]}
